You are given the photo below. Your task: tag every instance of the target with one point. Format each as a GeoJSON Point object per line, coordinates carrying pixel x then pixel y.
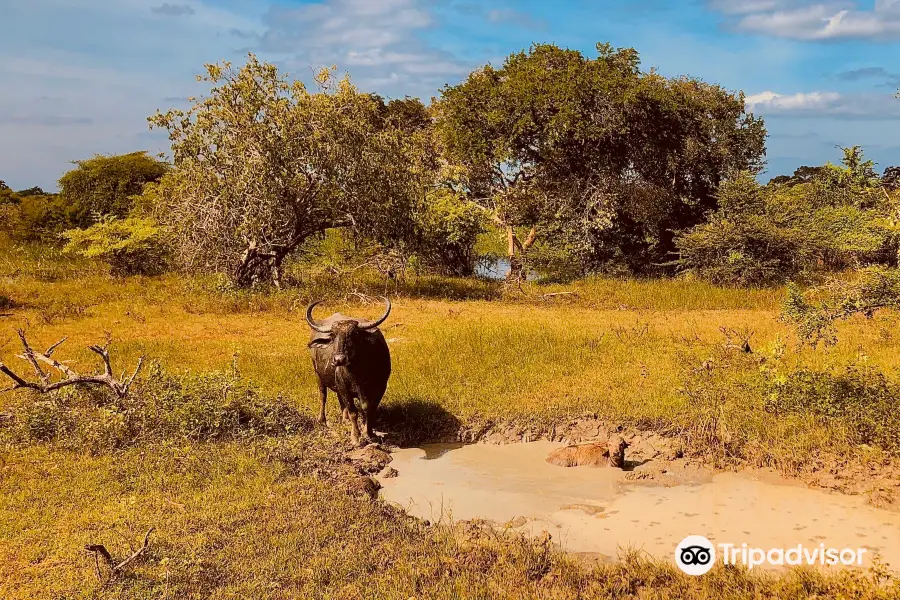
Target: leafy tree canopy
{"type": "Point", "coordinates": [610, 152]}
{"type": "Point", "coordinates": [840, 218]}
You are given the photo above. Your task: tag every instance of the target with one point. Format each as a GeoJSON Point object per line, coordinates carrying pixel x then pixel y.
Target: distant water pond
{"type": "Point", "coordinates": [497, 269]}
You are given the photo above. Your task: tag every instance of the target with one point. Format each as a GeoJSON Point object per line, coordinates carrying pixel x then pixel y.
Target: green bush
{"type": "Point", "coordinates": [860, 397]}
{"type": "Point", "coordinates": [447, 229]}
{"type": "Point", "coordinates": [130, 246]}
{"type": "Point", "coordinates": [786, 231]}
{"type": "Point", "coordinates": [107, 185]}
{"type": "Point", "coordinates": [38, 217]}
{"type": "Point", "coordinates": [814, 312]}
{"type": "Point", "coordinates": [161, 406]}
{"type": "Point", "coordinates": [759, 408]}
{"type": "Point", "coordinates": [749, 250]}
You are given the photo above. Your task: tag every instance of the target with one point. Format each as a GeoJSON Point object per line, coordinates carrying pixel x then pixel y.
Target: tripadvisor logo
{"type": "Point", "coordinates": [695, 555]}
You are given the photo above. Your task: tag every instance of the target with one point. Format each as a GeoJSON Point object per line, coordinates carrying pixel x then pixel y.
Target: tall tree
{"type": "Point", "coordinates": [262, 164]}
{"type": "Point", "coordinates": [594, 150]}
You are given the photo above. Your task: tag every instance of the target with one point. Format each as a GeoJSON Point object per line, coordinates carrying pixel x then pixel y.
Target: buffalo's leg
{"type": "Point", "coordinates": [351, 415]}
{"type": "Point", "coordinates": [323, 396]}
{"type": "Point", "coordinates": [364, 411]}
{"type": "Point", "coordinates": [354, 427]}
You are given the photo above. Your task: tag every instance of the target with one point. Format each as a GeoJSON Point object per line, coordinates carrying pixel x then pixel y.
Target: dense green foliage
{"type": "Point", "coordinates": [603, 157]}
{"type": "Point", "coordinates": [447, 227]}
{"type": "Point", "coordinates": [835, 219]}
{"type": "Point", "coordinates": [105, 185]}
{"type": "Point", "coordinates": [97, 187]}
{"type": "Point", "coordinates": [130, 246]}
{"type": "Point", "coordinates": [31, 216]}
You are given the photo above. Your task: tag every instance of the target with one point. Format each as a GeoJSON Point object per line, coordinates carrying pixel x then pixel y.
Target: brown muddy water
{"type": "Point", "coordinates": [597, 511]}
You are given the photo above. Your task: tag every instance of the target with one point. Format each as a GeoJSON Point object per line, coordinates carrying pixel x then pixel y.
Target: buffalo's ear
{"type": "Point", "coordinates": [319, 343]}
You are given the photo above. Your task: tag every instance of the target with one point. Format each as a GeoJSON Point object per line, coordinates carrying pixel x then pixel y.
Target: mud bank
{"type": "Point", "coordinates": [600, 511]}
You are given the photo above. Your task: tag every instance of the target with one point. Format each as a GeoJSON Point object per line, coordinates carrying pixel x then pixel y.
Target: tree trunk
{"type": "Point", "coordinates": [516, 253]}
{"type": "Point", "coordinates": [258, 267]}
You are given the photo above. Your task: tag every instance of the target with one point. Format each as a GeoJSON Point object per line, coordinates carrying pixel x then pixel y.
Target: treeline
{"type": "Point", "coordinates": [584, 165]}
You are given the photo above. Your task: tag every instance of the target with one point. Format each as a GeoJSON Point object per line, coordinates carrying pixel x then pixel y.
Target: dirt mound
{"type": "Point", "coordinates": [642, 445]}
{"type": "Point", "coordinates": [370, 459]}
{"type": "Point", "coordinates": [362, 486]}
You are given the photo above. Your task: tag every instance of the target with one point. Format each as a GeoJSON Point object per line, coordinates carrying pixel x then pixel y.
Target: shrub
{"type": "Point", "coordinates": [39, 217]}
{"type": "Point", "coordinates": [831, 220]}
{"type": "Point", "coordinates": [814, 312]}
{"type": "Point", "coordinates": [745, 407]}
{"type": "Point", "coordinates": [745, 251]}
{"type": "Point", "coordinates": [130, 246]}
{"type": "Point", "coordinates": [161, 406]}
{"type": "Point", "coordinates": [448, 228]}
{"type": "Point", "coordinates": [107, 185]}
{"type": "Point", "coordinates": [860, 397]}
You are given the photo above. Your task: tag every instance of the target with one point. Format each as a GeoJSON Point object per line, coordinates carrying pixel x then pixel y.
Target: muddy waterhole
{"type": "Point", "coordinates": [600, 511]}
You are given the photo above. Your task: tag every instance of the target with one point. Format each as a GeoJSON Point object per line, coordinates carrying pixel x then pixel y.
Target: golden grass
{"type": "Point", "coordinates": [514, 357]}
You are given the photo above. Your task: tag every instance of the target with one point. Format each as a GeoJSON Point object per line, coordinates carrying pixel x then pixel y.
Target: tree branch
{"type": "Point", "coordinates": [69, 375]}
{"type": "Point", "coordinates": [100, 550]}
{"type": "Point", "coordinates": [529, 241]}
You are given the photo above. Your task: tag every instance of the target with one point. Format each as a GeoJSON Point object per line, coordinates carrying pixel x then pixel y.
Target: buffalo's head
{"type": "Point", "coordinates": [341, 335]}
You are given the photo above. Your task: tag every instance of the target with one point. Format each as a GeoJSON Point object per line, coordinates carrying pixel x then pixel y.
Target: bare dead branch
{"type": "Point", "coordinates": [30, 357]}
{"type": "Point", "coordinates": [50, 350]}
{"type": "Point", "coordinates": [69, 376]}
{"type": "Point", "coordinates": [100, 550]}
{"type": "Point", "coordinates": [555, 294]}
{"type": "Point", "coordinates": [136, 554]}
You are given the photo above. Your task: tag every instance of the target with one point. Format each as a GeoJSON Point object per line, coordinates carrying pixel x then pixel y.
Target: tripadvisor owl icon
{"type": "Point", "coordinates": [695, 555]}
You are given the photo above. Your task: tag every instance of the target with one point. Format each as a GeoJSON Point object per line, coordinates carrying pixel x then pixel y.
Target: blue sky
{"type": "Point", "coordinates": [81, 76]}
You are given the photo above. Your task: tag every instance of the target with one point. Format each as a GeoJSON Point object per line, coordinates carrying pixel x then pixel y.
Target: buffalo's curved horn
{"type": "Point", "coordinates": [311, 321]}
{"type": "Point", "coordinates": [374, 324]}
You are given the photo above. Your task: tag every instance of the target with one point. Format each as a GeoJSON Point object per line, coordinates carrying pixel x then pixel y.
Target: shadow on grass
{"type": "Point", "coordinates": [425, 287]}
{"type": "Point", "coordinates": [415, 421]}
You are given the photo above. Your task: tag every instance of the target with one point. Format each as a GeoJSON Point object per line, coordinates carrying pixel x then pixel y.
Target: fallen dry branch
{"type": "Point", "coordinates": [100, 550]}
{"type": "Point", "coordinates": [69, 376]}
{"type": "Point", "coordinates": [555, 294]}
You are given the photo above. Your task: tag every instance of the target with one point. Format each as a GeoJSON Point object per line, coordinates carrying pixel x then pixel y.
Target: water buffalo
{"type": "Point", "coordinates": [351, 359]}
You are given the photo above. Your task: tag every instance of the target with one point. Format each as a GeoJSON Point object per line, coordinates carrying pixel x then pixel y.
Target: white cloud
{"type": "Point", "coordinates": [824, 105]}
{"type": "Point", "coordinates": [814, 20]}
{"type": "Point", "coordinates": [799, 101]}
{"type": "Point", "coordinates": [382, 43]}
